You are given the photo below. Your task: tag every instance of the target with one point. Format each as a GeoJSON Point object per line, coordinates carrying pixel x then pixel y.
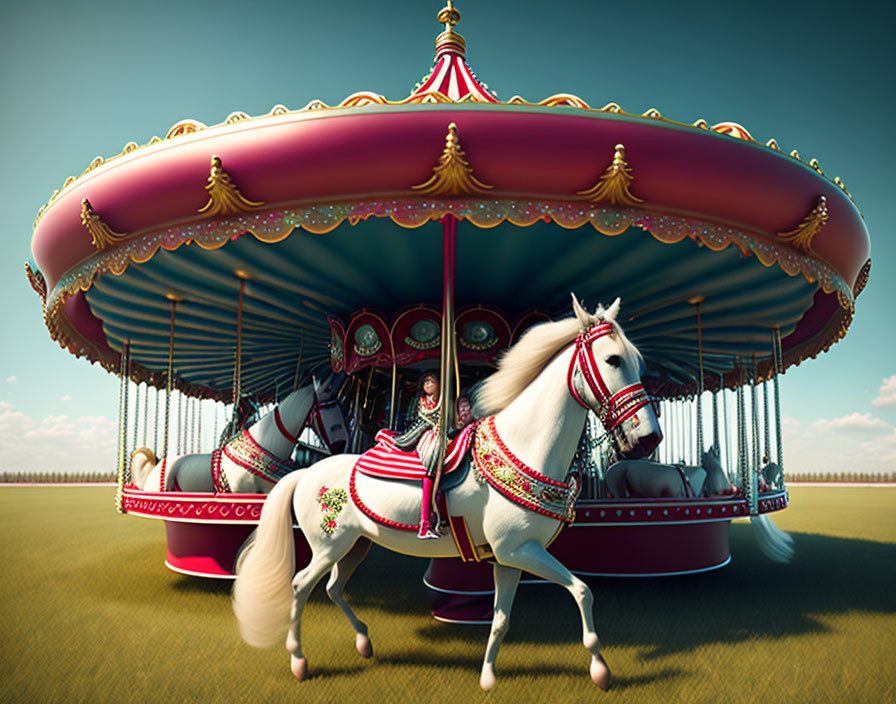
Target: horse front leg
{"type": "Point", "coordinates": [533, 557]}
{"type": "Point", "coordinates": [507, 579]}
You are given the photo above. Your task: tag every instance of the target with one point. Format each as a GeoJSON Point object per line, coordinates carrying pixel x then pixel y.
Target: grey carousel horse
{"type": "Point", "coordinates": [646, 479]}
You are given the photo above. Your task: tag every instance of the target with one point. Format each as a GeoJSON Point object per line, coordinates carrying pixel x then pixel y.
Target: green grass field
{"type": "Point", "coordinates": [90, 613]}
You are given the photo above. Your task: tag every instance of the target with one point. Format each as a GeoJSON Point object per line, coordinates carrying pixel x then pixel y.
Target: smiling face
{"type": "Point", "coordinates": [430, 385]}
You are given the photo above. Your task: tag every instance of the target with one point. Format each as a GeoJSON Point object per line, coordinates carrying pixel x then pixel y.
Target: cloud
{"type": "Point", "coordinates": [56, 443]}
{"type": "Point", "coordinates": [857, 442]}
{"type": "Point", "coordinates": [65, 398]}
{"type": "Point", "coordinates": [13, 380]}
{"type": "Point", "coordinates": [855, 421]}
{"type": "Point", "coordinates": [886, 397]}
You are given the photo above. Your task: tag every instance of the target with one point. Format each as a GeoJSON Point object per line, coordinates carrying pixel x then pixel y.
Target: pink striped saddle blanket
{"type": "Point", "coordinates": [386, 461]}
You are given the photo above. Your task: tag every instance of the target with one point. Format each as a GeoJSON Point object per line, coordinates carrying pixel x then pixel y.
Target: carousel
{"type": "Point", "coordinates": [288, 280]}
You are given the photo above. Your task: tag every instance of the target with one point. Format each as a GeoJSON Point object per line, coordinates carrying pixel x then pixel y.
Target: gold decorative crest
{"type": "Point", "coordinates": [862, 279]}
{"type": "Point", "coordinates": [101, 235]}
{"type": "Point", "coordinates": [224, 198]}
{"type": "Point", "coordinates": [452, 175]}
{"type": "Point", "coordinates": [39, 283]}
{"type": "Point", "coordinates": [612, 187]}
{"type": "Point", "coordinates": [801, 236]}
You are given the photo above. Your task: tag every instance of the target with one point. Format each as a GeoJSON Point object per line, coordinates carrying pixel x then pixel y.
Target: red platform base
{"type": "Point", "coordinates": [209, 550]}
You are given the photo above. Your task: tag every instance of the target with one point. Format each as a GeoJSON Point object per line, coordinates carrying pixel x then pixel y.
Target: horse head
{"type": "Point", "coordinates": [326, 389]}
{"type": "Point", "coordinates": [326, 418]}
{"type": "Point", "coordinates": [605, 377]}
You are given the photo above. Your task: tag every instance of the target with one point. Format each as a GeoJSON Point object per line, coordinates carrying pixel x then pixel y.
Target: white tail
{"type": "Point", "coordinates": [262, 593]}
{"type": "Point", "coordinates": [776, 544]}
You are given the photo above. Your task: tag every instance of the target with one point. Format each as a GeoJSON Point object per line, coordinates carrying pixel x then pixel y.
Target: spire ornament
{"type": "Point", "coordinates": [801, 236]}
{"type": "Point", "coordinates": [452, 175]}
{"type": "Point", "coordinates": [224, 198]}
{"type": "Point", "coordinates": [100, 233]}
{"type": "Point", "coordinates": [613, 185]}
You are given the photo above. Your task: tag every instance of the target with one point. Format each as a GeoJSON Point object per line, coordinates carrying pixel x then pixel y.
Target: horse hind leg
{"type": "Point", "coordinates": [507, 579]}
{"type": "Point", "coordinates": [534, 558]}
{"type": "Point", "coordinates": [323, 559]}
{"type": "Point", "coordinates": [339, 576]}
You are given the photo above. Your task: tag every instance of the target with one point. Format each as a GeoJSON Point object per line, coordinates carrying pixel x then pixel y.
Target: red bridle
{"type": "Point", "coordinates": [313, 418]}
{"type": "Point", "coordinates": [614, 408]}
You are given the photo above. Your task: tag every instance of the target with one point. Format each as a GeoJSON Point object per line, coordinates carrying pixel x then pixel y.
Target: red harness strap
{"type": "Point", "coordinates": [282, 428]}
{"type": "Point", "coordinates": [614, 408]}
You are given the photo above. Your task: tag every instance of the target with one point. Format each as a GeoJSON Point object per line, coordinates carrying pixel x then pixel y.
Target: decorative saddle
{"type": "Point", "coordinates": [386, 460]}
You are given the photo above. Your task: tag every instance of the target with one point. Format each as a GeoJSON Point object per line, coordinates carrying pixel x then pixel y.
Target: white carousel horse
{"type": "Point", "coordinates": [643, 478]}
{"type": "Point", "coordinates": [539, 396]}
{"type": "Point", "coordinates": [254, 460]}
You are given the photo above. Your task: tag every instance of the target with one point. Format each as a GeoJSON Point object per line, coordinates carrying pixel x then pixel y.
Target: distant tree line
{"type": "Point", "coordinates": [56, 477]}
{"type": "Point", "coordinates": [871, 477]}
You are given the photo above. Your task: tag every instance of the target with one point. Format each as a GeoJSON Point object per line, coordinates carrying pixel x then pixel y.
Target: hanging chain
{"type": "Point", "coordinates": [754, 474]}
{"type": "Point", "coordinates": [742, 470]}
{"type": "Point", "coordinates": [121, 475]}
{"type": "Point", "coordinates": [700, 388]}
{"type": "Point", "coordinates": [146, 415]}
{"type": "Point", "coordinates": [136, 416]}
{"type": "Point", "coordinates": [168, 382]}
{"type": "Point", "coordinates": [779, 369]}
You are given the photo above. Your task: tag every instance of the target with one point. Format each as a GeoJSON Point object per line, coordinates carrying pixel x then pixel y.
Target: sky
{"type": "Point", "coordinates": [83, 79]}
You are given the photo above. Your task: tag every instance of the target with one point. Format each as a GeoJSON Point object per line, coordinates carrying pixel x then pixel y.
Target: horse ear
{"type": "Point", "coordinates": [585, 319]}
{"type": "Point", "coordinates": [611, 312]}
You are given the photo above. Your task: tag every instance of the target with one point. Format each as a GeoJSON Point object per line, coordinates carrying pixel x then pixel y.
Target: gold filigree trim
{"type": "Point", "coordinates": [184, 127]}
{"type": "Point", "coordinates": [273, 227]}
{"type": "Point", "coordinates": [38, 283]}
{"type": "Point", "coordinates": [801, 236]}
{"type": "Point", "coordinates": [452, 175]}
{"type": "Point", "coordinates": [100, 233]}
{"type": "Point", "coordinates": [224, 198]}
{"type": "Point", "coordinates": [862, 279]}
{"type": "Point", "coordinates": [367, 98]}
{"type": "Point", "coordinates": [613, 185]}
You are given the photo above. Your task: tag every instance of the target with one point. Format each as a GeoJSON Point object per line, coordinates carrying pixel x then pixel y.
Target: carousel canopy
{"type": "Point", "coordinates": [312, 216]}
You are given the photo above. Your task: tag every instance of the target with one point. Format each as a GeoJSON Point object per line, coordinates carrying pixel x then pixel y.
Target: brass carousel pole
{"type": "Point", "coordinates": [168, 382]}
{"type": "Point", "coordinates": [449, 349]}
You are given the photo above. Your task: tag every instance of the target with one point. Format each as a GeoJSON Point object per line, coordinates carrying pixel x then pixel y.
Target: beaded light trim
{"type": "Point", "coordinates": [248, 454]}
{"type": "Point", "coordinates": [507, 474]}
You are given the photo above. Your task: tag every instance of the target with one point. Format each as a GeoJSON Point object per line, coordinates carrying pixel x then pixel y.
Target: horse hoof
{"type": "Point", "coordinates": [364, 646]}
{"type": "Point", "coordinates": [600, 673]}
{"type": "Point", "coordinates": [299, 667]}
{"type": "Point", "coordinates": [487, 680]}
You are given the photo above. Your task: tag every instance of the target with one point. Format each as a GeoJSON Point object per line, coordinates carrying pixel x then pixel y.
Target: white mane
{"type": "Point", "coordinates": [520, 364]}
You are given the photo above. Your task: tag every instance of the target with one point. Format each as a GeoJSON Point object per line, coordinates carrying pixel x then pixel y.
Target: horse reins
{"type": "Point", "coordinates": [314, 415]}
{"type": "Point", "coordinates": [614, 408]}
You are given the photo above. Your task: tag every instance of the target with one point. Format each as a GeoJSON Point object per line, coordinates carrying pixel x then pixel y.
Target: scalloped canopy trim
{"type": "Point", "coordinates": [275, 226]}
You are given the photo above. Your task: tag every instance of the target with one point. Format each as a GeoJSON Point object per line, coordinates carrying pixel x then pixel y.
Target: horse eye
{"type": "Point", "coordinates": [615, 361]}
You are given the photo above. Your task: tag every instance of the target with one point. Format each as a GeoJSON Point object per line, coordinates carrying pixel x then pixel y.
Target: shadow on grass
{"type": "Point", "coordinates": [752, 597]}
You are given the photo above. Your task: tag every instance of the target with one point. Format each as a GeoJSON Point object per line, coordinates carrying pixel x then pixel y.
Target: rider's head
{"type": "Point", "coordinates": [429, 384]}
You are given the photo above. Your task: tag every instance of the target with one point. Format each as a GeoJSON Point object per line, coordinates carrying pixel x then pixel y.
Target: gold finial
{"type": "Point", "coordinates": [449, 41]}
{"type": "Point", "coordinates": [801, 236]}
{"type": "Point", "coordinates": [452, 175]}
{"type": "Point", "coordinates": [448, 16]}
{"type": "Point", "coordinates": [614, 182]}
{"type": "Point", "coordinates": [100, 233]}
{"type": "Point", "coordinates": [224, 198]}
